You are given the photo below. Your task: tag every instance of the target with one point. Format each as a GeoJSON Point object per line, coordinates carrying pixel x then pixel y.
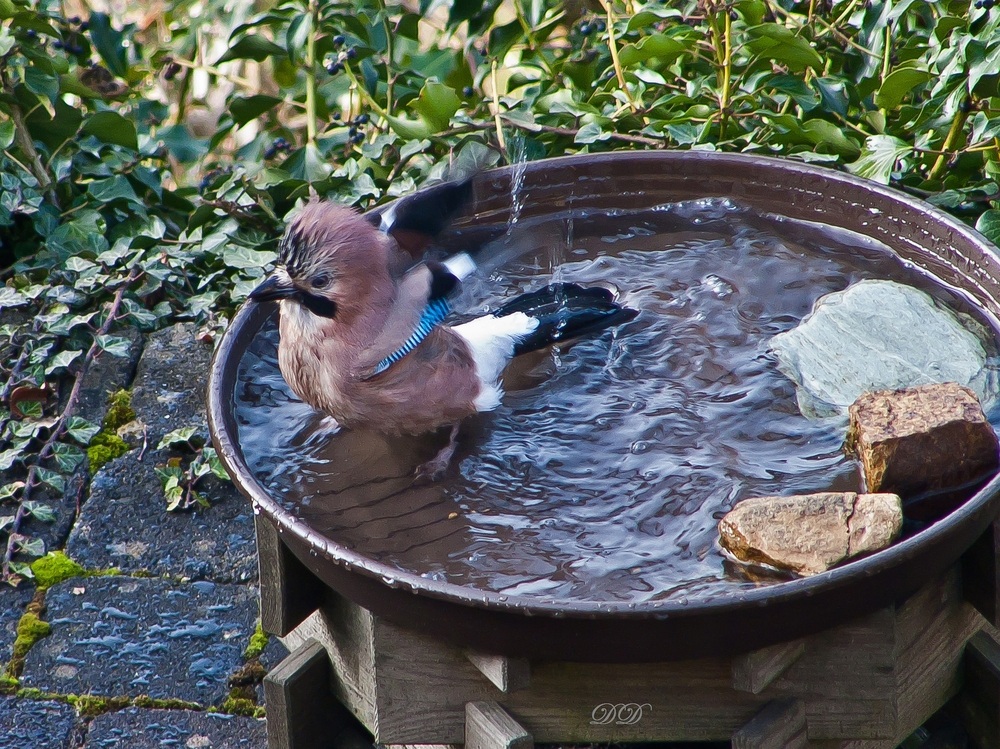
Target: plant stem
{"type": "Point", "coordinates": [727, 70]}
{"type": "Point", "coordinates": [501, 141]}
{"type": "Point", "coordinates": [311, 125]}
{"type": "Point", "coordinates": [23, 137]}
{"type": "Point", "coordinates": [613, 48]}
{"type": "Point", "coordinates": [957, 124]}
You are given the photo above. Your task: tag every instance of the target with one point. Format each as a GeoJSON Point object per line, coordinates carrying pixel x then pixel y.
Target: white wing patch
{"type": "Point", "coordinates": [491, 341]}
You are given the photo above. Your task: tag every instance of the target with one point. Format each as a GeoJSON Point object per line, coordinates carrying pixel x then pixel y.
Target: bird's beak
{"type": "Point", "coordinates": [276, 286]}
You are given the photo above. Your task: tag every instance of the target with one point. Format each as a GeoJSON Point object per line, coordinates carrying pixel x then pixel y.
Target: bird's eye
{"type": "Point", "coordinates": [320, 281]}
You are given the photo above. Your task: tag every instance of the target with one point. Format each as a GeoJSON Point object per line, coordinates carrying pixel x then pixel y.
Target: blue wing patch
{"type": "Point", "coordinates": [435, 311]}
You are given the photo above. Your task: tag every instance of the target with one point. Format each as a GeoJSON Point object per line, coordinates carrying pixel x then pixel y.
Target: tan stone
{"type": "Point", "coordinates": [810, 533]}
{"type": "Point", "coordinates": [922, 439]}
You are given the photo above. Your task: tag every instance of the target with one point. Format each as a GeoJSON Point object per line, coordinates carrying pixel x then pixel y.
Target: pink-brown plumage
{"type": "Point", "coordinates": [326, 360]}
{"type": "Point", "coordinates": [361, 333]}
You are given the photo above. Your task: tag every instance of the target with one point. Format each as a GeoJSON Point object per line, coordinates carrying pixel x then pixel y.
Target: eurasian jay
{"type": "Point", "coordinates": [361, 325]}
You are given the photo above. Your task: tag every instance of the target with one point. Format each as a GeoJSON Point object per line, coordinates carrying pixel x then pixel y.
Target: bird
{"type": "Point", "coordinates": [362, 331]}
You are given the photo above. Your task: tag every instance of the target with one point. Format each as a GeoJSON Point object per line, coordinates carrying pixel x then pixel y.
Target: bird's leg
{"type": "Point", "coordinates": [435, 468]}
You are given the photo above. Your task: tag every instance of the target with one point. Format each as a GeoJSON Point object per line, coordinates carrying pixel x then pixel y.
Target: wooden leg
{"type": "Point", "coordinates": [289, 592]}
{"type": "Point", "coordinates": [980, 698]}
{"type": "Point", "coordinates": [754, 671]}
{"type": "Point", "coordinates": [489, 726]}
{"type": "Point", "coordinates": [981, 574]}
{"type": "Point", "coordinates": [506, 674]}
{"type": "Point", "coordinates": [301, 710]}
{"type": "Point", "coordinates": [780, 725]}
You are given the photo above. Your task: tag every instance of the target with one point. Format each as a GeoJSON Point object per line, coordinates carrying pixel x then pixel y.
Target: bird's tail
{"type": "Point", "coordinates": [565, 311]}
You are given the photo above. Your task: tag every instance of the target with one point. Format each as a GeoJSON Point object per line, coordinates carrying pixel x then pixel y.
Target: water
{"type": "Point", "coordinates": [604, 473]}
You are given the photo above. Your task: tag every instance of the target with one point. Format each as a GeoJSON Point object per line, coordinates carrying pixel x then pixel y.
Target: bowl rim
{"type": "Point", "coordinates": [979, 509]}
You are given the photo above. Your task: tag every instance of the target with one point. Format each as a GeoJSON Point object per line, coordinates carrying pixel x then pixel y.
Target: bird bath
{"type": "Point", "coordinates": [405, 554]}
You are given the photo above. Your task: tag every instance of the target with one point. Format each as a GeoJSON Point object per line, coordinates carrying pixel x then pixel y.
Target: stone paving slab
{"type": "Point", "coordinates": [12, 603]}
{"type": "Point", "coordinates": [169, 388]}
{"type": "Point", "coordinates": [31, 724]}
{"type": "Point", "coordinates": [137, 728]}
{"type": "Point", "coordinates": [123, 636]}
{"type": "Point", "coordinates": [125, 524]}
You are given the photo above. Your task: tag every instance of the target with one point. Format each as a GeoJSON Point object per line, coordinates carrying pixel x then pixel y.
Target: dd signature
{"type": "Point", "coordinates": [622, 714]}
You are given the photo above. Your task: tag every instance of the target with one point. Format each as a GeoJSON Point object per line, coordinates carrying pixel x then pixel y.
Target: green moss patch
{"type": "Point", "coordinates": [106, 445]}
{"type": "Point", "coordinates": [258, 641]}
{"type": "Point", "coordinates": [30, 629]}
{"type": "Point", "coordinates": [120, 410]}
{"type": "Point", "coordinates": [54, 568]}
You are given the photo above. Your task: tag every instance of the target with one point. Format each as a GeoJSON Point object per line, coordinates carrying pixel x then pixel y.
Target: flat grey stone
{"type": "Point", "coordinates": [125, 524]}
{"type": "Point", "coordinates": [12, 603]}
{"type": "Point", "coordinates": [106, 375]}
{"type": "Point", "coordinates": [169, 388]}
{"type": "Point", "coordinates": [123, 636]}
{"type": "Point", "coordinates": [137, 728]}
{"type": "Point", "coordinates": [33, 724]}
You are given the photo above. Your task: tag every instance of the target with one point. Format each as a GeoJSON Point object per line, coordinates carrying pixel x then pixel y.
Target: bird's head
{"type": "Point", "coordinates": [329, 257]}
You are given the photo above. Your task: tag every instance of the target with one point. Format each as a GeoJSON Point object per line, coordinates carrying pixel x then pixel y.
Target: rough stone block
{"type": "Point", "coordinates": [31, 724]}
{"type": "Point", "coordinates": [137, 728]}
{"type": "Point", "coordinates": [125, 524]}
{"type": "Point", "coordinates": [169, 388]}
{"type": "Point", "coordinates": [922, 439]}
{"type": "Point", "coordinates": [122, 636]}
{"type": "Point", "coordinates": [810, 533]}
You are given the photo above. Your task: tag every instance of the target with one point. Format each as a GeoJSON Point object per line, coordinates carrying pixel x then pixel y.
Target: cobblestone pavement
{"type": "Point", "coordinates": [144, 656]}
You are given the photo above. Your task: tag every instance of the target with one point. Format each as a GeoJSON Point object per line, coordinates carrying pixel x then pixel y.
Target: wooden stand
{"type": "Point", "coordinates": [866, 684]}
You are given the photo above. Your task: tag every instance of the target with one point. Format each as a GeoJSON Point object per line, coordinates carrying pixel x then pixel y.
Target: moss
{"type": "Point", "coordinates": [258, 641]}
{"type": "Point", "coordinates": [89, 705]}
{"type": "Point", "coordinates": [165, 704]}
{"type": "Point", "coordinates": [30, 629]}
{"type": "Point", "coordinates": [54, 568]}
{"type": "Point", "coordinates": [30, 693]}
{"type": "Point", "coordinates": [106, 445]}
{"type": "Point", "coordinates": [8, 685]}
{"type": "Point", "coordinates": [119, 412]}
{"type": "Point", "coordinates": [103, 448]}
{"type": "Point", "coordinates": [242, 706]}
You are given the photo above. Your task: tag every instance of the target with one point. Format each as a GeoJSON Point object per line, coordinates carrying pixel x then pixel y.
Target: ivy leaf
{"type": "Point", "coordinates": [775, 42]}
{"type": "Point", "coordinates": [115, 345]}
{"type": "Point", "coordinates": [246, 108]}
{"type": "Point", "coordinates": [436, 104]}
{"type": "Point", "coordinates": [898, 84]}
{"type": "Point", "coordinates": [9, 491]}
{"type": "Point", "coordinates": [660, 46]}
{"type": "Point", "coordinates": [244, 258]}
{"type": "Point", "coordinates": [67, 457]}
{"type": "Point", "coordinates": [33, 546]}
{"type": "Point", "coordinates": [11, 298]}
{"type": "Point", "coordinates": [251, 47]}
{"type": "Point", "coordinates": [591, 133]}
{"type": "Point", "coordinates": [824, 133]}
{"type": "Point", "coordinates": [53, 478]}
{"type": "Point", "coordinates": [989, 225]}
{"type": "Point", "coordinates": [40, 511]}
{"type": "Point", "coordinates": [109, 43]}
{"type": "Point", "coordinates": [297, 36]}
{"type": "Point", "coordinates": [62, 360]}
{"type": "Point", "coordinates": [81, 430]}
{"type": "Point", "coordinates": [6, 133]}
{"type": "Point", "coordinates": [211, 457]}
{"type": "Point", "coordinates": [113, 188]}
{"type": "Point", "coordinates": [111, 127]}
{"type": "Point", "coordinates": [879, 157]}
{"type": "Point", "coordinates": [189, 438]}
